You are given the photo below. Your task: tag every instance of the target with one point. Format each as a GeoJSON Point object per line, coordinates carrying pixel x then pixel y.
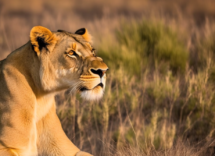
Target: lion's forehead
{"type": "Point", "coordinates": [74, 37]}
{"type": "Point", "coordinates": [74, 42]}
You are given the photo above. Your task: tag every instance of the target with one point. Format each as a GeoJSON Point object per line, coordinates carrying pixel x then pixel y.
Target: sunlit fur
{"type": "Point", "coordinates": [31, 76]}
{"type": "Point", "coordinates": [44, 33]}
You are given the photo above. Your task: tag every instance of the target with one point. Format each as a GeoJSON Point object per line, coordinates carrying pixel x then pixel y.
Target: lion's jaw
{"type": "Point", "coordinates": [88, 88]}
{"type": "Point", "coordinates": [96, 91]}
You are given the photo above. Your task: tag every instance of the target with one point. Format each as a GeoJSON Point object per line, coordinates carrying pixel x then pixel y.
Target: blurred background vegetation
{"type": "Point", "coordinates": [160, 95]}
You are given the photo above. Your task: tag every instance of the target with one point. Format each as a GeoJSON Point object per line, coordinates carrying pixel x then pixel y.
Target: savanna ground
{"type": "Point", "coordinates": [160, 94]}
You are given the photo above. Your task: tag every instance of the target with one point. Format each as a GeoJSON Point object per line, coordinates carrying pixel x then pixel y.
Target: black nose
{"type": "Point", "coordinates": [98, 72]}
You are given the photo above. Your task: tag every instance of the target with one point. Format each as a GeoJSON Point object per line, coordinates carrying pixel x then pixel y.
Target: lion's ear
{"type": "Point", "coordinates": [85, 34]}
{"type": "Point", "coordinates": [42, 37]}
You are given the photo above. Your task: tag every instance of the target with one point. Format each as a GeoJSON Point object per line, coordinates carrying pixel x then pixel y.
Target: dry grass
{"type": "Point", "coordinates": [160, 97]}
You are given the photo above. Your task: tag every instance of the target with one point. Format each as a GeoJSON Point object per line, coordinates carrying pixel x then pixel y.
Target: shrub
{"type": "Point", "coordinates": [146, 44]}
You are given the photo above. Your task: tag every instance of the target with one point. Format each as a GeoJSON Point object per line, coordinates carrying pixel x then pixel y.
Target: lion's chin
{"type": "Point", "coordinates": [93, 94]}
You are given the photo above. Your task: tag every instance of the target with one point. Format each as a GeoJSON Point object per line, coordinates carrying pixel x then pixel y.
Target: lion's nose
{"type": "Point", "coordinates": [99, 72]}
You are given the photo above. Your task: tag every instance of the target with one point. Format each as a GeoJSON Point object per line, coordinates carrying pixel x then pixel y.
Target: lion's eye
{"type": "Point", "coordinates": [72, 53]}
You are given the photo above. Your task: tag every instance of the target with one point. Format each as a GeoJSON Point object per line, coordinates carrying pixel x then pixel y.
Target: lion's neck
{"type": "Point", "coordinates": [25, 61]}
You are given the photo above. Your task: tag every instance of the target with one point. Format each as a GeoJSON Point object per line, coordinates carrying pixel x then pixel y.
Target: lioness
{"type": "Point", "coordinates": [30, 77]}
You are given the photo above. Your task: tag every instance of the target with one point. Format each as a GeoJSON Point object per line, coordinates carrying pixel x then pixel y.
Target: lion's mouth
{"type": "Point", "coordinates": [85, 88]}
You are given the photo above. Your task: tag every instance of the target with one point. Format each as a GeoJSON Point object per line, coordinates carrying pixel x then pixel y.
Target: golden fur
{"type": "Point", "coordinates": [30, 77]}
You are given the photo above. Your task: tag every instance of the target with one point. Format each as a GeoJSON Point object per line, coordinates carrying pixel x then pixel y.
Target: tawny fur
{"type": "Point", "coordinates": [29, 79]}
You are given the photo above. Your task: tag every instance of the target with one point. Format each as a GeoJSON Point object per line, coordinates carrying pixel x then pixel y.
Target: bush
{"type": "Point", "coordinates": [146, 45]}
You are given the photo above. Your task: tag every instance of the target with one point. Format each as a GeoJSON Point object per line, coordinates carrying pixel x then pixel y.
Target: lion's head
{"type": "Point", "coordinates": [68, 60]}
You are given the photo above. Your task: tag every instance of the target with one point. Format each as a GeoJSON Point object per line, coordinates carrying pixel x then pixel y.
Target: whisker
{"type": "Point", "coordinates": [75, 86]}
